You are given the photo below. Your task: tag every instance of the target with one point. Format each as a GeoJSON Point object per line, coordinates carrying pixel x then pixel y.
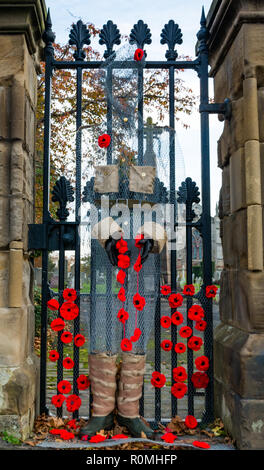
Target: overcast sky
{"type": "Point", "coordinates": [155, 13]}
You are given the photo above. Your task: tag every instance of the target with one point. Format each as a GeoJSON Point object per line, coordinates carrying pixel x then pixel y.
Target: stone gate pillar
{"type": "Point", "coordinates": [21, 27]}
{"type": "Point", "coordinates": [237, 65]}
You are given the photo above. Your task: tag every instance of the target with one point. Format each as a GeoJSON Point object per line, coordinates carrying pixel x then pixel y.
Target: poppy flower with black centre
{"type": "Point", "coordinates": [165, 290]}
{"type": "Point", "coordinates": [179, 374]}
{"type": "Point", "coordinates": [104, 140]}
{"type": "Point", "coordinates": [57, 324]}
{"type": "Point", "coordinates": [189, 290]}
{"type": "Point", "coordinates": [139, 302]}
{"type": "Point", "coordinates": [211, 291]}
{"type": "Point", "coordinates": [138, 238]}
{"type": "Point", "coordinates": [83, 382]}
{"type": "Point", "coordinates": [185, 332]}
{"type": "Point", "coordinates": [64, 386]}
{"type": "Point", "coordinates": [137, 333]}
{"type": "Point", "coordinates": [53, 355]}
{"type": "Point", "coordinates": [200, 380]}
{"type": "Point", "coordinates": [53, 304]}
{"type": "Point", "coordinates": [169, 437]}
{"type": "Point", "coordinates": [180, 348]}
{"type": "Point", "coordinates": [69, 294]}
{"type": "Point", "coordinates": [69, 311]}
{"type": "Point", "coordinates": [196, 313]}
{"type": "Point", "coordinates": [123, 261]}
{"type": "Point", "coordinates": [97, 438]}
{"type": "Point", "coordinates": [68, 363]}
{"type": "Point", "coordinates": [165, 321]}
{"type": "Point", "coordinates": [138, 265]}
{"type": "Point", "coordinates": [121, 246]}
{"type": "Point", "coordinates": [200, 325]}
{"type": "Point", "coordinates": [66, 337]}
{"type": "Point", "coordinates": [175, 300]}
{"type": "Point", "coordinates": [126, 345]}
{"type": "Point", "coordinates": [57, 400]}
{"type": "Point", "coordinates": [122, 315]}
{"type": "Point", "coordinates": [120, 277]}
{"type": "Point", "coordinates": [138, 55]}
{"type": "Point", "coordinates": [202, 363]}
{"type": "Point", "coordinates": [195, 343]}
{"type": "Point", "coordinates": [177, 318]}
{"type": "Point", "coordinates": [179, 389]}
{"type": "Point", "coordinates": [201, 444]}
{"type": "Point", "coordinates": [191, 422]}
{"type": "Point", "coordinates": [79, 340]}
{"type": "Point", "coordinates": [73, 403]}
{"type": "Point", "coordinates": [122, 294]}
{"type": "Point", "coordinates": [166, 345]}
{"type": "Point", "coordinates": [158, 380]}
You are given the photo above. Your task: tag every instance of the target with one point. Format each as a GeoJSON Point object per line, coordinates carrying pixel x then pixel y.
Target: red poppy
{"type": "Point", "coordinates": [126, 345]}
{"type": "Point", "coordinates": [185, 332]}
{"type": "Point", "coordinates": [158, 380]}
{"type": "Point", "coordinates": [165, 322]}
{"type": "Point", "coordinates": [177, 318]}
{"type": "Point", "coordinates": [166, 345]}
{"type": "Point", "coordinates": [104, 140]}
{"type": "Point", "coordinates": [189, 290]}
{"type": "Point", "coordinates": [66, 337]}
{"type": "Point", "coordinates": [57, 400]}
{"type": "Point", "coordinates": [200, 325]}
{"type": "Point", "coordinates": [202, 363]}
{"type": "Point", "coordinates": [138, 266]}
{"type": "Point", "coordinates": [121, 246]}
{"type": "Point", "coordinates": [119, 436]}
{"type": "Point", "coordinates": [165, 290]}
{"type": "Point", "coordinates": [200, 380]}
{"type": "Point", "coordinates": [191, 422]}
{"type": "Point", "coordinates": [120, 277]}
{"type": "Point", "coordinates": [180, 348]}
{"type": "Point", "coordinates": [179, 389]}
{"type": "Point", "coordinates": [137, 333]}
{"type": "Point", "coordinates": [83, 382]}
{"type": "Point", "coordinates": [64, 386]}
{"type": "Point", "coordinates": [139, 302]}
{"type": "Point", "coordinates": [63, 433]}
{"type": "Point", "coordinates": [53, 355]}
{"type": "Point", "coordinates": [201, 444]}
{"type": "Point", "coordinates": [53, 304]}
{"type": "Point", "coordinates": [175, 300]}
{"type": "Point", "coordinates": [122, 294]}
{"type": "Point", "coordinates": [69, 311]}
{"type": "Point", "coordinates": [123, 261]}
{"type": "Point", "coordinates": [70, 294]}
{"type": "Point", "coordinates": [211, 291]}
{"type": "Point", "coordinates": [58, 324]}
{"type": "Point", "coordinates": [79, 340]}
{"type": "Point", "coordinates": [72, 424]}
{"type": "Point", "coordinates": [122, 315]}
{"type": "Point", "coordinates": [68, 363]}
{"type": "Point", "coordinates": [97, 438]}
{"type": "Point", "coordinates": [138, 56]}
{"type": "Point", "coordinates": [195, 343]}
{"type": "Point", "coordinates": [179, 374]}
{"type": "Point", "coordinates": [138, 238]}
{"type": "Point", "coordinates": [169, 437]}
{"type": "Point", "coordinates": [196, 313]}
{"type": "Point", "coordinates": [73, 403]}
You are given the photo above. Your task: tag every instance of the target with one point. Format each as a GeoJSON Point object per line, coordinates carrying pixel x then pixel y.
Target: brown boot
{"type": "Point", "coordinates": [129, 393]}
{"type": "Point", "coordinates": [103, 386]}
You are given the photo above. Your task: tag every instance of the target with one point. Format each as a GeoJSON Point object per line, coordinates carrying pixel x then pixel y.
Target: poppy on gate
{"type": "Point", "coordinates": [200, 380]}
{"type": "Point", "coordinates": [69, 294]}
{"type": "Point", "coordinates": [138, 55]}
{"type": "Point", "coordinates": [69, 310]}
{"type": "Point", "coordinates": [196, 313]}
{"type": "Point", "coordinates": [123, 261]}
{"type": "Point", "coordinates": [166, 345]}
{"type": "Point", "coordinates": [121, 246]}
{"type": "Point", "coordinates": [189, 290]}
{"type": "Point", "coordinates": [64, 386]}
{"type": "Point", "coordinates": [179, 374]}
{"type": "Point", "coordinates": [104, 140]}
{"type": "Point", "coordinates": [79, 340]}
{"type": "Point", "coordinates": [185, 332]}
{"type": "Point", "coordinates": [165, 321]}
{"type": "Point", "coordinates": [122, 294]}
{"type": "Point", "coordinates": [177, 318]}
{"type": "Point", "coordinates": [136, 335]}
{"type": "Point", "coordinates": [122, 315]}
{"type": "Point", "coordinates": [53, 304]}
{"type": "Point", "coordinates": [175, 300]}
{"type": "Point", "coordinates": [73, 403]}
{"type": "Point", "coordinates": [57, 324]}
{"type": "Point", "coordinates": [120, 277]}
{"type": "Point", "coordinates": [195, 343]}
{"type": "Point", "coordinates": [53, 355]}
{"type": "Point", "coordinates": [66, 337]}
{"type": "Point", "coordinates": [165, 290]}
{"type": "Point", "coordinates": [191, 422]}
{"type": "Point", "coordinates": [179, 389]}
{"type": "Point", "coordinates": [68, 363]}
{"type": "Point", "coordinates": [202, 363]}
{"type": "Point", "coordinates": [57, 400]}
{"type": "Point", "coordinates": [83, 382]}
{"type": "Point", "coordinates": [200, 325]}
{"type": "Point", "coordinates": [126, 344]}
{"type": "Point", "coordinates": [211, 291]}
{"type": "Point", "coordinates": [158, 380]}
{"type": "Point", "coordinates": [139, 301]}
{"type": "Point", "coordinates": [180, 348]}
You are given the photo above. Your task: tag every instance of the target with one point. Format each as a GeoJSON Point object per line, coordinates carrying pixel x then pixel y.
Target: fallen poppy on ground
{"type": "Point", "coordinates": [119, 436]}
{"type": "Point", "coordinates": [66, 337]}
{"type": "Point", "coordinates": [104, 140]}
{"type": "Point", "coordinates": [64, 386]}
{"type": "Point", "coordinates": [175, 300]}
{"type": "Point", "coordinates": [196, 313]}
{"type": "Point", "coordinates": [195, 343]}
{"type": "Point", "coordinates": [139, 302]}
{"type": "Point", "coordinates": [165, 322]}
{"type": "Point", "coordinates": [69, 294]}
{"type": "Point", "coordinates": [200, 380]}
{"type": "Point", "coordinates": [53, 304]}
{"type": "Point", "coordinates": [97, 438]}
{"type": "Point", "coordinates": [69, 311]}
{"type": "Point", "coordinates": [179, 389]}
{"type": "Point", "coordinates": [189, 290]}
{"type": "Point", "coordinates": [211, 291]}
{"type": "Point", "coordinates": [177, 318]}
{"type": "Point", "coordinates": [185, 332]}
{"type": "Point", "coordinates": [138, 55]}
{"type": "Point", "coordinates": [57, 400]}
{"type": "Point", "coordinates": [201, 444]}
{"type": "Point", "coordinates": [191, 422]}
{"type": "Point", "coordinates": [120, 277]}
{"type": "Point", "coordinates": [83, 382]}
{"type": "Point", "coordinates": [166, 345]}
{"type": "Point", "coordinates": [165, 290]}
{"type": "Point", "coordinates": [72, 424]}
{"type": "Point", "coordinates": [169, 437]}
{"type": "Point", "coordinates": [126, 344]}
{"type": "Point", "coordinates": [53, 355]}
{"type": "Point", "coordinates": [62, 433]}
{"type": "Point", "coordinates": [68, 363]}
{"type": "Point", "coordinates": [202, 363]}
{"type": "Point", "coordinates": [180, 348]}
{"type": "Point", "coordinates": [158, 380]}
{"type": "Point", "coordinates": [122, 315]}
{"type": "Point", "coordinates": [79, 340]}
{"type": "Point", "coordinates": [73, 403]}
{"type": "Point", "coordinates": [179, 374]}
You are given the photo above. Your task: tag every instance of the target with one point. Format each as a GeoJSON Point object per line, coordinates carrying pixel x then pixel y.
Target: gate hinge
{"type": "Point", "coordinates": [223, 109]}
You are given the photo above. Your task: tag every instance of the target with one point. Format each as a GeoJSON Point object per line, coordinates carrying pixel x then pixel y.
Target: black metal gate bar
{"type": "Point", "coordinates": [61, 288]}
{"type": "Point", "coordinates": [189, 304]}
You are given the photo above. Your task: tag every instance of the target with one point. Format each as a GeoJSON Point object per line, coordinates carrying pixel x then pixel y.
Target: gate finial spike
{"type": "Point", "coordinates": [48, 36]}
{"type": "Point", "coordinates": [203, 18]}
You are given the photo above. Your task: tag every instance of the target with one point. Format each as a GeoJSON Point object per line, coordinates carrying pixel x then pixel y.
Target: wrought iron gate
{"type": "Point", "coordinates": [63, 235]}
